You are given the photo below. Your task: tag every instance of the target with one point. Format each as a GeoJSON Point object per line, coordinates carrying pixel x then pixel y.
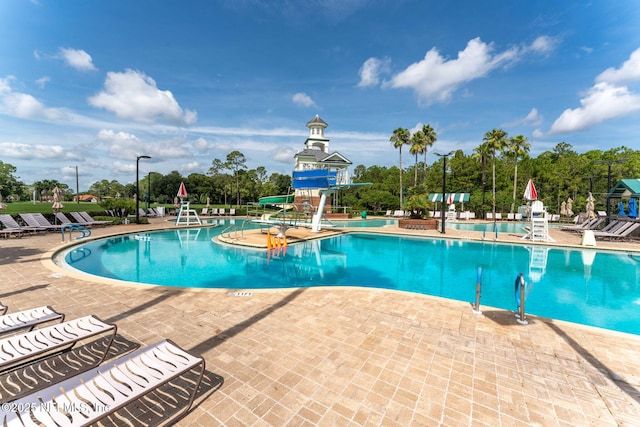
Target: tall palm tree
{"type": "Point", "coordinates": [430, 138]}
{"type": "Point", "coordinates": [482, 154]}
{"type": "Point", "coordinates": [400, 137]}
{"type": "Point", "coordinates": [517, 146]}
{"type": "Point", "coordinates": [496, 140]}
{"type": "Point", "coordinates": [418, 146]}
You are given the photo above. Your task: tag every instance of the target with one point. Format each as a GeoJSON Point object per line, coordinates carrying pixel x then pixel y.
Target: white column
{"type": "Point", "coordinates": [317, 217]}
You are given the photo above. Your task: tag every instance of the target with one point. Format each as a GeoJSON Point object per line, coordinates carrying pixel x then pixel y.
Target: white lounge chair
{"type": "Point", "coordinates": [205, 211]}
{"type": "Point", "coordinates": [214, 211]}
{"type": "Point", "coordinates": [18, 350]}
{"type": "Point", "coordinates": [510, 216]}
{"type": "Point", "coordinates": [232, 212]}
{"type": "Point", "coordinates": [101, 392]}
{"type": "Point", "coordinates": [28, 319]}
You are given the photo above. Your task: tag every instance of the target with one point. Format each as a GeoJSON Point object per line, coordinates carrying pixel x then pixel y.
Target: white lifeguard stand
{"type": "Point", "coordinates": [187, 216]}
{"type": "Point", "coordinates": [539, 223]}
{"type": "Point", "coordinates": [451, 212]}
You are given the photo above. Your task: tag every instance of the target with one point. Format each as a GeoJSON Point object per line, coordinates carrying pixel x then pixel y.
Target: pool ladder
{"type": "Point", "coordinates": [84, 231]}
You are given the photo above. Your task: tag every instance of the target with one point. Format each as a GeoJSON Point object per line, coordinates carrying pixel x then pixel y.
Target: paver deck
{"type": "Point", "coordinates": [354, 356]}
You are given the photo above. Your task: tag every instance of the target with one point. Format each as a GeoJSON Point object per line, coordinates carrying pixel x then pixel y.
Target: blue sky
{"type": "Point", "coordinates": [94, 84]}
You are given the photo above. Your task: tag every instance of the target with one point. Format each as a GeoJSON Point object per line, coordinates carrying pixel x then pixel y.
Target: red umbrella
{"type": "Point", "coordinates": [530, 192]}
{"type": "Point", "coordinates": [182, 191]}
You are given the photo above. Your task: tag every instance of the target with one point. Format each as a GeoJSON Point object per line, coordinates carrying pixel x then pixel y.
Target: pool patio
{"type": "Point", "coordinates": [353, 356]}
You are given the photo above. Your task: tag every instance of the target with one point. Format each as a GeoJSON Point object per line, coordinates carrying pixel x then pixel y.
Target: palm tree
{"type": "Point", "coordinates": [430, 139]}
{"type": "Point", "coordinates": [518, 146]}
{"type": "Point", "coordinates": [482, 154]}
{"type": "Point", "coordinates": [400, 137]}
{"type": "Point", "coordinates": [418, 145]}
{"type": "Point", "coordinates": [496, 140]}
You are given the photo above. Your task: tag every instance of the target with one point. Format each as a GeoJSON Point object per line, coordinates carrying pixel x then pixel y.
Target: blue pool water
{"type": "Point", "coordinates": [514, 227]}
{"type": "Point", "coordinates": [590, 287]}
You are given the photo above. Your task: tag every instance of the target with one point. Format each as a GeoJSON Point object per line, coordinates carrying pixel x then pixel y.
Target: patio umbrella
{"type": "Point", "coordinates": [57, 204]}
{"type": "Point", "coordinates": [621, 209]}
{"type": "Point", "coordinates": [590, 207]}
{"type": "Point", "coordinates": [530, 192]}
{"type": "Point", "coordinates": [57, 200]}
{"type": "Point", "coordinates": [2, 205]}
{"type": "Point", "coordinates": [569, 207]}
{"type": "Point", "coordinates": [182, 191]}
{"type": "Point", "coordinates": [208, 202]}
{"type": "Point", "coordinates": [633, 208]}
{"type": "Point", "coordinates": [563, 208]}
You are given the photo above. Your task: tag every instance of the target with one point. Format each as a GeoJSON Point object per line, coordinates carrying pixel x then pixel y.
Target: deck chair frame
{"type": "Point", "coordinates": [28, 319]}
{"type": "Point", "coordinates": [108, 388]}
{"type": "Point", "coordinates": [23, 349]}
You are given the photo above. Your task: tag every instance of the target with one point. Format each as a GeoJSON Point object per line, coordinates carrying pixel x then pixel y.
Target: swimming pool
{"type": "Point", "coordinates": [590, 287]}
{"type": "Point", "coordinates": [516, 227]}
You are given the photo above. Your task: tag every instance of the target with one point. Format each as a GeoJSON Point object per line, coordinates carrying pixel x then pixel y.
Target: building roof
{"type": "Point", "coordinates": [625, 188]}
{"type": "Point", "coordinates": [320, 156]}
{"type": "Point", "coordinates": [317, 121]}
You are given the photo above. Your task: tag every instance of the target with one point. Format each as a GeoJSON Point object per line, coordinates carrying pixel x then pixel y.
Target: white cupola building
{"type": "Point", "coordinates": [316, 156]}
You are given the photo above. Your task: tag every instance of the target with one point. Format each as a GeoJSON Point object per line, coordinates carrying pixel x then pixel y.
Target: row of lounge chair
{"type": "Point", "coordinates": [99, 390]}
{"type": "Point", "coordinates": [36, 222]}
{"type": "Point", "coordinates": [217, 212]}
{"type": "Point", "coordinates": [616, 229]}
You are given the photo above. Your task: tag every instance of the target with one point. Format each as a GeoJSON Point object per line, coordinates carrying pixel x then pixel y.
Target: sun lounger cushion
{"type": "Point", "coordinates": [28, 319]}
{"type": "Point", "coordinates": [20, 349]}
{"type": "Point", "coordinates": [108, 388]}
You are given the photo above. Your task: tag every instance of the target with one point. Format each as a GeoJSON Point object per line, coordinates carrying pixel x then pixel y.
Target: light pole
{"type": "Point", "coordinates": [608, 163]}
{"type": "Point", "coordinates": [138, 187]}
{"type": "Point", "coordinates": [148, 190]}
{"type": "Point", "coordinates": [444, 185]}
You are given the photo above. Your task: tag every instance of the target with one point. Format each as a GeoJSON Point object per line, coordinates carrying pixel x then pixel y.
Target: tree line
{"type": "Point", "coordinates": [495, 175]}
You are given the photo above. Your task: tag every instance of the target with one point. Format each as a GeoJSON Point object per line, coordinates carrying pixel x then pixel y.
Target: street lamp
{"type": "Point", "coordinates": [138, 187]}
{"type": "Point", "coordinates": [444, 184]}
{"type": "Point", "coordinates": [148, 190]}
{"type": "Point", "coordinates": [608, 163]}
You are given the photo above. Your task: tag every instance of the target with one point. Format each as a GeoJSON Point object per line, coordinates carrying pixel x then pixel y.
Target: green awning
{"type": "Point", "coordinates": [450, 197]}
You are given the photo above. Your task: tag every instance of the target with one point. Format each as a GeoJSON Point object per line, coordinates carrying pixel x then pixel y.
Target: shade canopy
{"type": "Point", "coordinates": [625, 188]}
{"type": "Point", "coordinates": [449, 197]}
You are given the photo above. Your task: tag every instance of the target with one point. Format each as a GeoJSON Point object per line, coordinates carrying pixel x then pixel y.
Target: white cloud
{"type": "Point", "coordinates": [608, 99]}
{"type": "Point", "coordinates": [533, 118]}
{"type": "Point", "coordinates": [25, 106]}
{"type": "Point", "coordinates": [42, 81]}
{"type": "Point", "coordinates": [435, 79]}
{"type": "Point", "coordinates": [543, 44]}
{"type": "Point", "coordinates": [303, 100]}
{"type": "Point", "coordinates": [628, 72]}
{"type": "Point", "coordinates": [76, 58]}
{"type": "Point", "coordinates": [371, 70]}
{"type": "Point", "coordinates": [283, 155]}
{"type": "Point", "coordinates": [191, 167]}
{"type": "Point", "coordinates": [604, 101]}
{"type": "Point", "coordinates": [135, 96]}
{"type": "Point", "coordinates": [27, 151]}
